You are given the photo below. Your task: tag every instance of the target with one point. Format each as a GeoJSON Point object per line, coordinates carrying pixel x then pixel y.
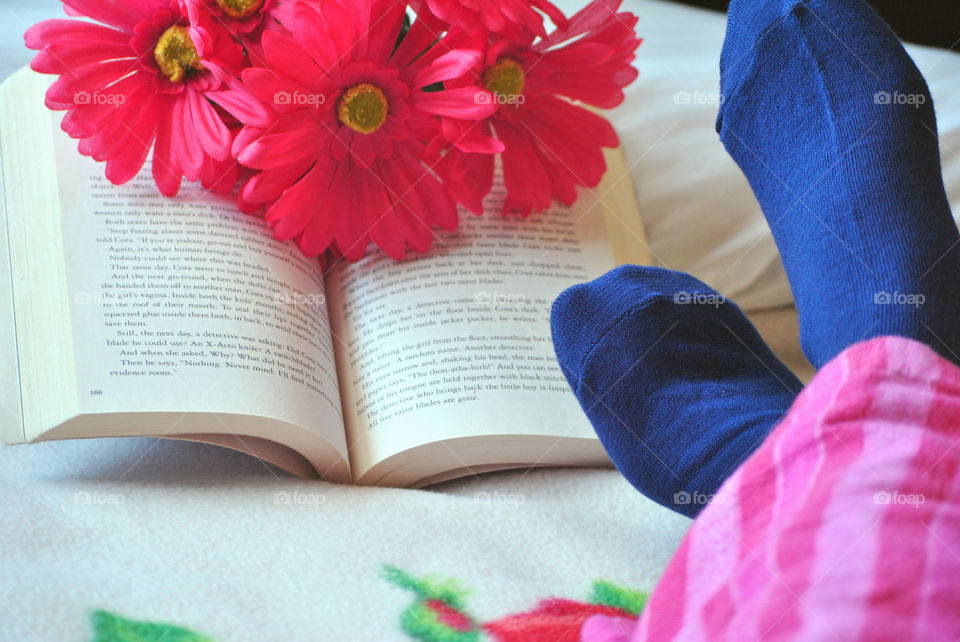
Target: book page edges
{"type": "Point", "coordinates": [47, 375]}
{"type": "Point", "coordinates": [297, 450]}
{"type": "Point", "coordinates": [621, 212]}
{"type": "Point", "coordinates": [11, 409]}
{"type": "Point", "coordinates": [264, 450]}
{"type": "Point", "coordinates": [448, 459]}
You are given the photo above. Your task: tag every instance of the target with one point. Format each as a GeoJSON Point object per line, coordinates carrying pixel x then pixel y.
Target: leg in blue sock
{"type": "Point", "coordinates": [834, 127]}
{"type": "Point", "coordinates": [676, 381]}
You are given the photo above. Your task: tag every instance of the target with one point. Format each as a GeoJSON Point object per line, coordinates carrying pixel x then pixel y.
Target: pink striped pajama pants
{"type": "Point", "coordinates": [843, 525]}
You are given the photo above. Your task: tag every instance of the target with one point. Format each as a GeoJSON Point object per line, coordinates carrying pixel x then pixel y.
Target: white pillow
{"type": "Point", "coordinates": [700, 213]}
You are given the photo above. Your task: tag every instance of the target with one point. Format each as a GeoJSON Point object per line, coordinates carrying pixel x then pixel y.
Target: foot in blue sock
{"type": "Point", "coordinates": [676, 381]}
{"type": "Point", "coordinates": [834, 127]}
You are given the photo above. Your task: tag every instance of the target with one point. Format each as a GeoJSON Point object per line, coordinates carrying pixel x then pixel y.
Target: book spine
{"type": "Point", "coordinates": [11, 407]}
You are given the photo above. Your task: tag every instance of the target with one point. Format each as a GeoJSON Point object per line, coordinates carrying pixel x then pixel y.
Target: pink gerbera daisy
{"type": "Point", "coordinates": [246, 19]}
{"type": "Point", "coordinates": [494, 16]}
{"type": "Point", "coordinates": [238, 16]}
{"type": "Point", "coordinates": [343, 161]}
{"type": "Point", "coordinates": [552, 143]}
{"type": "Point", "coordinates": [146, 77]}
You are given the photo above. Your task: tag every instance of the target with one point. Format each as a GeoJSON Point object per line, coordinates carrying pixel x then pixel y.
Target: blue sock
{"type": "Point", "coordinates": [834, 127]}
{"type": "Point", "coordinates": [677, 382]}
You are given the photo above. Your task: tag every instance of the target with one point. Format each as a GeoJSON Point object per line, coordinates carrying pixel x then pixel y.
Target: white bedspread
{"type": "Point", "coordinates": [223, 544]}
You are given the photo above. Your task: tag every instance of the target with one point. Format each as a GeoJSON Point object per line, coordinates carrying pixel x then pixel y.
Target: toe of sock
{"type": "Point", "coordinates": [584, 313]}
{"type": "Point", "coordinates": [841, 25]}
{"type": "Point", "coordinates": [747, 21]}
{"type": "Point", "coordinates": [675, 380]}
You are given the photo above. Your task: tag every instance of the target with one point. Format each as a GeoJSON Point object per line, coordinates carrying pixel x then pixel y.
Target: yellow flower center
{"type": "Point", "coordinates": [363, 108]}
{"type": "Point", "coordinates": [175, 54]}
{"type": "Point", "coordinates": [240, 8]}
{"type": "Point", "coordinates": [505, 79]}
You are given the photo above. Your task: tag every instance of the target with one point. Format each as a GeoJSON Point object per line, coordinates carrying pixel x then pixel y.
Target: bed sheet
{"type": "Point", "coordinates": [228, 546]}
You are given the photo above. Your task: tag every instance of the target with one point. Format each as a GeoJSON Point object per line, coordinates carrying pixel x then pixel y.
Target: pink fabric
{"type": "Point", "coordinates": [844, 525]}
{"type": "Point", "coordinates": [606, 628]}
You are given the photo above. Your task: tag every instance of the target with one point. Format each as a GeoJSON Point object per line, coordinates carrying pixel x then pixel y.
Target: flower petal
{"type": "Point", "coordinates": [166, 171]}
{"type": "Point", "coordinates": [185, 145]}
{"type": "Point", "coordinates": [267, 185]}
{"type": "Point", "coordinates": [469, 103]}
{"type": "Point", "coordinates": [242, 105]}
{"type": "Point", "coordinates": [453, 64]}
{"type": "Point", "coordinates": [133, 142]}
{"type": "Point", "coordinates": [278, 150]}
{"type": "Point", "coordinates": [385, 228]}
{"type": "Point", "coordinates": [79, 85]}
{"type": "Point", "coordinates": [362, 149]}
{"type": "Point", "coordinates": [290, 213]}
{"type": "Point", "coordinates": [285, 56]}
{"type": "Point", "coordinates": [212, 134]}
{"type": "Point", "coordinates": [119, 13]}
{"type": "Point", "coordinates": [527, 182]}
{"type": "Point", "coordinates": [59, 30]}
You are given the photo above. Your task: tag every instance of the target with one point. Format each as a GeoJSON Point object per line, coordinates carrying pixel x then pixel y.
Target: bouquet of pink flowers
{"type": "Point", "coordinates": [343, 121]}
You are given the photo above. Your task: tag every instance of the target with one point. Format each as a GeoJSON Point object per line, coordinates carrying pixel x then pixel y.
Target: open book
{"type": "Point", "coordinates": [123, 313]}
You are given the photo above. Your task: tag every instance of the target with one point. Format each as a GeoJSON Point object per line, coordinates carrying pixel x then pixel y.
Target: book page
{"type": "Point", "coordinates": [186, 305]}
{"type": "Point", "coordinates": [457, 342]}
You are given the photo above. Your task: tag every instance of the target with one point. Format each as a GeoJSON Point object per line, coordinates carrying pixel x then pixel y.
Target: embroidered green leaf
{"type": "Point", "coordinates": [438, 613]}
{"type": "Point", "coordinates": [448, 591]}
{"type": "Point", "coordinates": [609, 594]}
{"type": "Point", "coordinates": [431, 622]}
{"type": "Point", "coordinates": [108, 627]}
